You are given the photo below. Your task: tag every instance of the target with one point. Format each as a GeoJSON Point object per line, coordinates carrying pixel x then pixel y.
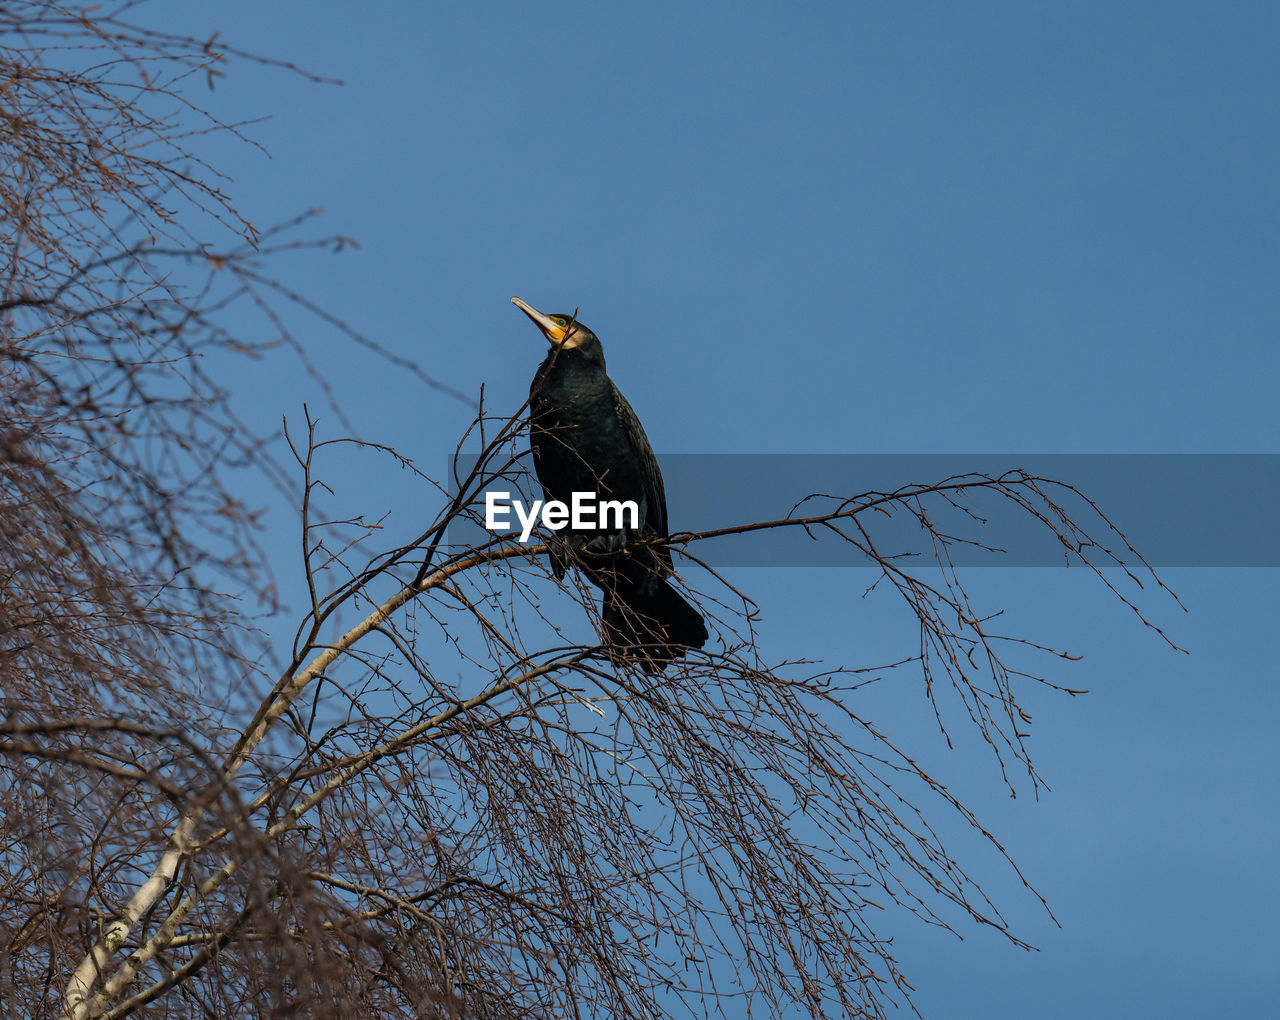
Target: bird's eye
{"type": "Point", "coordinates": [560, 322]}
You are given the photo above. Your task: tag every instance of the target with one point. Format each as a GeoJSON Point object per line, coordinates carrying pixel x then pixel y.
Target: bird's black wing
{"type": "Point", "coordinates": [654, 493]}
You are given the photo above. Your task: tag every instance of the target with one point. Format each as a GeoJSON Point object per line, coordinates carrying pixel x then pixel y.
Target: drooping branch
{"type": "Point", "coordinates": [679, 726]}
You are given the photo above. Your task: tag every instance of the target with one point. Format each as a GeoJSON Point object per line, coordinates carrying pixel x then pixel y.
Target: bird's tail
{"type": "Point", "coordinates": [651, 623]}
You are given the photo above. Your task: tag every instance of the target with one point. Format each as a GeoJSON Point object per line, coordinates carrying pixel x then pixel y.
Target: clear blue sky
{"type": "Point", "coordinates": [890, 227]}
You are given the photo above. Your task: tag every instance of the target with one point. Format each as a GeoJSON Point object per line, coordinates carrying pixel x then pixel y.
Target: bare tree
{"type": "Point", "coordinates": [448, 799]}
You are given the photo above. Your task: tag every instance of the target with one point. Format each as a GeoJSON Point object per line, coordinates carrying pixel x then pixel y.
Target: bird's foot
{"type": "Point", "coordinates": [606, 544]}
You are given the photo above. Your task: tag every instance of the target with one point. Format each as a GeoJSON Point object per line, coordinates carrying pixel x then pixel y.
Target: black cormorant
{"type": "Point", "coordinates": [586, 438]}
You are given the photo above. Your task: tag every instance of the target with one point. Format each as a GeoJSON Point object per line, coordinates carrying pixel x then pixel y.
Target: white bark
{"type": "Point", "coordinates": [76, 1001]}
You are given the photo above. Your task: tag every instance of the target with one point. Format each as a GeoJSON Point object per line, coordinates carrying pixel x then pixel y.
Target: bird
{"type": "Point", "coordinates": [585, 437]}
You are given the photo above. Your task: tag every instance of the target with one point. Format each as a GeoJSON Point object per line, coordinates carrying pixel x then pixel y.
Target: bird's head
{"type": "Point", "coordinates": [563, 331]}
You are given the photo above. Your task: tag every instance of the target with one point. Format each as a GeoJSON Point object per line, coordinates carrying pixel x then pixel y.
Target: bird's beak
{"type": "Point", "coordinates": [553, 332]}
